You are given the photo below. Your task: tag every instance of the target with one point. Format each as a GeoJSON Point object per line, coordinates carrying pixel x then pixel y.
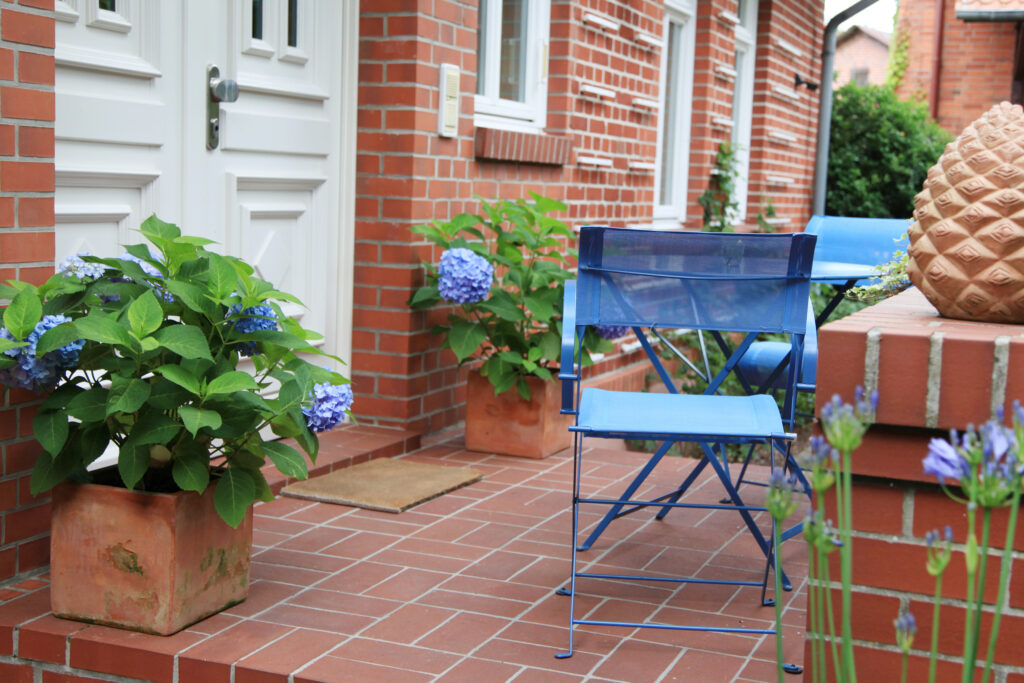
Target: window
{"type": "Point", "coordinates": [672, 168]}
{"type": "Point", "coordinates": [743, 100]}
{"type": "Point", "coordinates": [511, 86]}
{"type": "Point", "coordinates": [859, 76]}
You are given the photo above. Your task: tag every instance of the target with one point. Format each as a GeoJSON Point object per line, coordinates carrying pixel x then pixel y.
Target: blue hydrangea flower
{"type": "Point", "coordinates": [611, 331]}
{"type": "Point", "coordinates": [330, 401]}
{"type": "Point", "coordinates": [465, 277]}
{"type": "Point", "coordinates": [152, 271]}
{"type": "Point", "coordinates": [39, 373]}
{"type": "Point", "coordinates": [267, 320]}
{"type": "Point", "coordinates": [74, 266]}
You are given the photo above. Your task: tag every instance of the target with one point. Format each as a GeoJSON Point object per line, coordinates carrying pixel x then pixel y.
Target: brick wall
{"type": "Point", "coordinates": [407, 174]}
{"type": "Point", "coordinates": [977, 62]}
{"type": "Point", "coordinates": [932, 374]}
{"type": "Point", "coordinates": [26, 252]}
{"type": "Point", "coordinates": [858, 52]}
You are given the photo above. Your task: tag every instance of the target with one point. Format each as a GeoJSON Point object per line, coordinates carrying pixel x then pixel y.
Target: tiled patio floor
{"type": "Point", "coordinates": [460, 588]}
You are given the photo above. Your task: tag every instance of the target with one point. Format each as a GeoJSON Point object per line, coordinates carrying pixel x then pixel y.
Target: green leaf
{"type": "Point", "coordinates": [51, 430]}
{"type": "Point", "coordinates": [180, 376]}
{"type": "Point", "coordinates": [197, 418]}
{"type": "Point", "coordinates": [280, 338]}
{"type": "Point", "coordinates": [103, 329]}
{"type": "Point", "coordinates": [222, 277]}
{"type": "Point", "coordinates": [191, 470]}
{"type": "Point", "coordinates": [48, 472]}
{"type": "Point", "coordinates": [145, 314]}
{"type": "Point", "coordinates": [523, 388]}
{"type": "Point", "coordinates": [153, 428]}
{"type": "Point", "coordinates": [7, 344]}
{"type": "Point", "coordinates": [157, 230]}
{"type": "Point", "coordinates": [465, 337]}
{"type": "Point", "coordinates": [235, 492]}
{"type": "Point", "coordinates": [231, 382]}
{"type": "Point", "coordinates": [424, 297]}
{"type": "Point", "coordinates": [504, 306]}
{"type": "Point", "coordinates": [60, 397]}
{"type": "Point", "coordinates": [132, 463]}
{"type": "Point", "coordinates": [185, 340]}
{"type": "Point", "coordinates": [126, 396]}
{"type": "Point", "coordinates": [59, 336]}
{"type": "Point", "coordinates": [89, 406]}
{"type": "Point", "coordinates": [192, 296]}
{"type": "Point", "coordinates": [25, 311]}
{"type": "Point", "coordinates": [511, 357]}
{"type": "Point", "coordinates": [540, 307]}
{"type": "Point", "coordinates": [286, 459]}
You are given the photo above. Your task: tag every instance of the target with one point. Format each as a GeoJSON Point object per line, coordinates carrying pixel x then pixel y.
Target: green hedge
{"type": "Point", "coordinates": [880, 151]}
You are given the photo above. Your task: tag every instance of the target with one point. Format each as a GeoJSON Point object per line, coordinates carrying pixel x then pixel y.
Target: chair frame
{"type": "Point", "coordinates": [712, 446]}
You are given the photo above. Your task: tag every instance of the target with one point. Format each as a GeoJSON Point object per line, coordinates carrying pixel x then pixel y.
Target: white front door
{"type": "Point", "coordinates": [132, 127]}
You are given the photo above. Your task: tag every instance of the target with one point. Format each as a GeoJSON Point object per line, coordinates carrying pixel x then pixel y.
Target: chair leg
{"type": "Point", "coordinates": [571, 591]}
{"type": "Point", "coordinates": [616, 510]}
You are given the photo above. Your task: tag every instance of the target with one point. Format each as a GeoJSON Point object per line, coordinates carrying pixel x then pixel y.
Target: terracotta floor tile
{"type": "Point", "coordinates": [293, 558]}
{"type": "Point", "coordinates": [509, 651]}
{"type": "Point", "coordinates": [427, 562]}
{"type": "Point", "coordinates": [361, 545]}
{"type": "Point", "coordinates": [463, 633]}
{"type": "Point", "coordinates": [338, 670]}
{"type": "Point", "coordinates": [359, 577]}
{"type": "Point", "coordinates": [531, 675]}
{"type": "Point", "coordinates": [409, 623]}
{"type": "Point", "coordinates": [507, 590]}
{"type": "Point", "coordinates": [475, 670]}
{"type": "Point", "coordinates": [262, 595]}
{"type": "Point", "coordinates": [211, 660]}
{"type": "Point", "coordinates": [636, 660]}
{"type": "Point", "coordinates": [286, 655]}
{"type": "Point", "coordinates": [405, 657]}
{"type": "Point", "coordinates": [695, 665]}
{"type": "Point", "coordinates": [500, 565]}
{"type": "Point", "coordinates": [46, 638]}
{"type": "Point", "coordinates": [314, 539]}
{"type": "Point", "coordinates": [337, 601]}
{"type": "Point", "coordinates": [126, 653]}
{"type": "Point", "coordinates": [478, 604]}
{"type": "Point", "coordinates": [280, 573]}
{"type": "Point", "coordinates": [321, 620]}
{"type": "Point", "coordinates": [408, 584]}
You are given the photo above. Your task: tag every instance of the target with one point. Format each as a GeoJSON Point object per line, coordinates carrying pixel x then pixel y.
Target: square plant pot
{"type": "Point", "coordinates": [151, 562]}
{"type": "Point", "coordinates": [507, 425]}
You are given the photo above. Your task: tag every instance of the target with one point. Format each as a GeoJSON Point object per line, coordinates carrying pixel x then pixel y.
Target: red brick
{"type": "Point", "coordinates": [123, 653]}
{"type": "Point", "coordinates": [34, 141]}
{"type": "Point", "coordinates": [877, 508]}
{"type": "Point", "coordinates": [34, 68]}
{"type": "Point", "coordinates": [33, 554]}
{"type": "Point", "coordinates": [16, 673]}
{"type": "Point", "coordinates": [7, 140]}
{"type": "Point", "coordinates": [22, 247]}
{"type": "Point", "coordinates": [41, 4]}
{"type": "Point", "coordinates": [26, 522]}
{"type": "Point", "coordinates": [6, 65]}
{"type": "Point", "coordinates": [26, 176]}
{"type": "Point", "coordinates": [35, 212]}
{"type": "Point", "coordinates": [23, 103]}
{"type": "Point", "coordinates": [6, 218]}
{"type": "Point", "coordinates": [30, 29]}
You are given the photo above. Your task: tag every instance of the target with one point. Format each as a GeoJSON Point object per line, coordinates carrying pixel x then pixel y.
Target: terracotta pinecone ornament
{"type": "Point", "coordinates": [967, 241]}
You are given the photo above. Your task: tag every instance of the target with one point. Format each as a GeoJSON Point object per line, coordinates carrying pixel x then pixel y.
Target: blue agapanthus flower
{"type": "Point", "coordinates": [330, 401]}
{"type": "Point", "coordinates": [611, 331]}
{"type": "Point", "coordinates": [152, 271]}
{"type": "Point", "coordinates": [945, 461]}
{"type": "Point", "coordinates": [465, 277]}
{"type": "Point", "coordinates": [39, 373]}
{"type": "Point", "coordinates": [74, 266]}
{"type": "Point", "coordinates": [263, 318]}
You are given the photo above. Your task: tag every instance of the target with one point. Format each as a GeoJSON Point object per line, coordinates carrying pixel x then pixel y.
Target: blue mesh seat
{"type": "Point", "coordinates": [651, 281]}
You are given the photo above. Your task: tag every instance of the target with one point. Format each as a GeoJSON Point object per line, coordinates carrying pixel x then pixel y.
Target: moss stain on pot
{"type": "Point", "coordinates": [124, 559]}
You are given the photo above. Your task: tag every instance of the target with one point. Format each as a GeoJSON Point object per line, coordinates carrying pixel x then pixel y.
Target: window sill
{"type": "Point", "coordinates": [528, 148]}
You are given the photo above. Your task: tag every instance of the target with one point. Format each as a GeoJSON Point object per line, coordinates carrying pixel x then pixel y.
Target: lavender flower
{"type": "Point", "coordinates": [781, 500]}
{"type": "Point", "coordinates": [74, 266]}
{"type": "Point", "coordinates": [266, 320]}
{"type": "Point", "coordinates": [844, 424]}
{"type": "Point", "coordinates": [330, 403]}
{"type": "Point", "coordinates": [611, 331]}
{"type": "Point", "coordinates": [465, 277]}
{"type": "Point", "coordinates": [945, 461]}
{"type": "Point", "coordinates": [939, 550]}
{"type": "Point", "coordinates": [906, 627]}
{"type": "Point", "coordinates": [34, 372]}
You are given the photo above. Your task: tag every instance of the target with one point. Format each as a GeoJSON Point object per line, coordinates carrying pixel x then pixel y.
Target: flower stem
{"type": "Point", "coordinates": [971, 569]}
{"type": "Point", "coordinates": [1004, 577]}
{"type": "Point", "coordinates": [979, 598]}
{"type": "Point", "coordinates": [935, 630]}
{"type": "Point", "coordinates": [812, 612]}
{"type": "Point", "coordinates": [777, 546]}
{"type": "Point", "coordinates": [846, 560]}
{"type": "Point", "coordinates": [827, 587]}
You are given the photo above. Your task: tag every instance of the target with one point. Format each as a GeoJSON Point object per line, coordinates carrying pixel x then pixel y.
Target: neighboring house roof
{"type": "Point", "coordinates": [879, 36]}
{"type": "Point", "coordinates": [990, 10]}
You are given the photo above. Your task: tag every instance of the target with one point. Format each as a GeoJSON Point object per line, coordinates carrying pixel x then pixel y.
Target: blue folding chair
{"type": "Point", "coordinates": [654, 280]}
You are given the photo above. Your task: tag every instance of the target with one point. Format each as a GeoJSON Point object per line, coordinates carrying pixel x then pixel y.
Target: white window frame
{"type": "Point", "coordinates": [491, 110]}
{"type": "Point", "coordinates": [743, 103]}
{"type": "Point", "coordinates": [684, 14]}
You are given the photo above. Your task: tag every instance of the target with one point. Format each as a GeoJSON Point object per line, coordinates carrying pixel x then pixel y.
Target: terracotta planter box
{"type": "Point", "coordinates": [152, 562]}
{"type": "Point", "coordinates": [508, 425]}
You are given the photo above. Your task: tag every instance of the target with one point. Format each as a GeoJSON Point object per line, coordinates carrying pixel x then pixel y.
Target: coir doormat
{"type": "Point", "coordinates": [383, 484]}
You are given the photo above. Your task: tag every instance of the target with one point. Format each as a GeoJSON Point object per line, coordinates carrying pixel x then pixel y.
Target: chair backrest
{"type": "Point", "coordinates": [865, 241]}
{"type": "Point", "coordinates": [697, 280]}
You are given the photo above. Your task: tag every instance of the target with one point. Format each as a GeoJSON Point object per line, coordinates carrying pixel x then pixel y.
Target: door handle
{"type": "Point", "coordinates": [217, 90]}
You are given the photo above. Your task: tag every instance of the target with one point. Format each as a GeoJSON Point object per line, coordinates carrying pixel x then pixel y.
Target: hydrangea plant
{"type": "Point", "coordinates": [504, 273]}
{"type": "Point", "coordinates": [143, 351]}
